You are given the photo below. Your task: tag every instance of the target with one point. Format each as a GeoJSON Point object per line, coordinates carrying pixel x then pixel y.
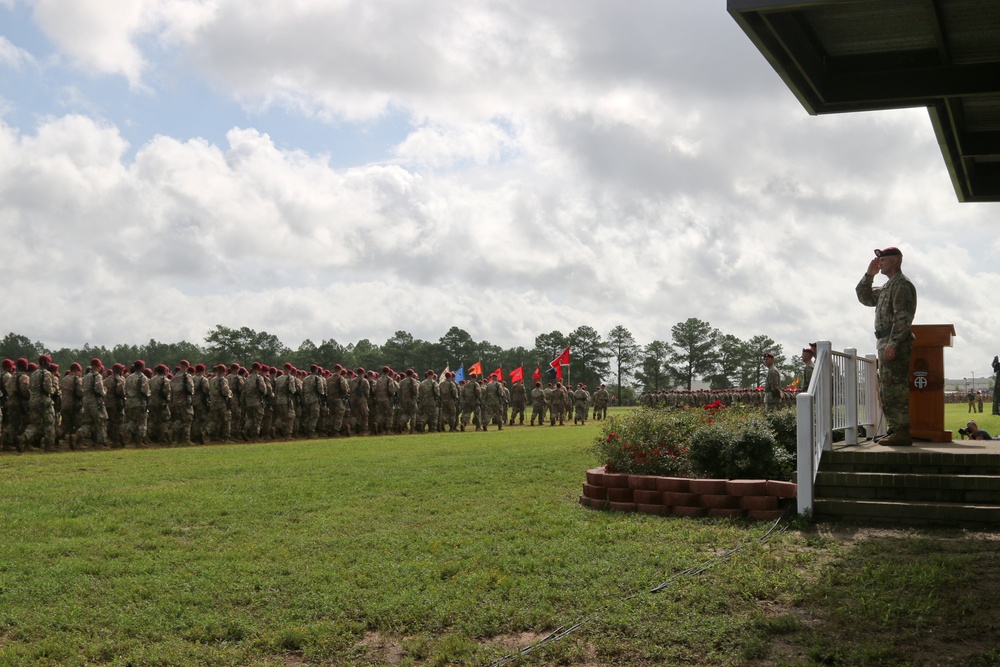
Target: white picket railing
{"type": "Point", "coordinates": [842, 395]}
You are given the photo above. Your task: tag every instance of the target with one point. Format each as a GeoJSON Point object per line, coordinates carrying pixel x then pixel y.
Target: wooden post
{"type": "Point", "coordinates": [927, 381]}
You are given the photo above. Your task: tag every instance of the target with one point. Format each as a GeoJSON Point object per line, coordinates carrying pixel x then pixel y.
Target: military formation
{"type": "Point", "coordinates": [103, 408]}
{"type": "Point", "coordinates": [678, 398]}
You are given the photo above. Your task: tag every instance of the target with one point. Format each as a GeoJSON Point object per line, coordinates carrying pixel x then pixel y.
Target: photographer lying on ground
{"type": "Point", "coordinates": [973, 432]}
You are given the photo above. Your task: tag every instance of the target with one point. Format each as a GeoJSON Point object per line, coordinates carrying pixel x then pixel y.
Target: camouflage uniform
{"type": "Point", "coordinates": [538, 405]}
{"type": "Point", "coordinates": [220, 396]}
{"type": "Point", "coordinates": [581, 399]}
{"type": "Point", "coordinates": [337, 396]}
{"type": "Point", "coordinates": [255, 392]}
{"type": "Point", "coordinates": [601, 400]}
{"type": "Point", "coordinates": [114, 403]}
{"type": "Point", "coordinates": [136, 406]}
{"type": "Point", "coordinates": [235, 382]}
{"type": "Point", "coordinates": [95, 415]}
{"type": "Point", "coordinates": [409, 388]}
{"type": "Point", "coordinates": [182, 406]}
{"type": "Point", "coordinates": [42, 417]}
{"type": "Point", "coordinates": [202, 405]}
{"type": "Point", "coordinates": [772, 389]}
{"type": "Point", "coordinates": [518, 401]}
{"type": "Point", "coordinates": [158, 419]}
{"type": "Point", "coordinates": [385, 391]}
{"type": "Point", "coordinates": [428, 401]}
{"type": "Point", "coordinates": [71, 408]}
{"type": "Point", "coordinates": [895, 305]}
{"type": "Point", "coordinates": [285, 391]}
{"type": "Point", "coordinates": [493, 398]}
{"type": "Point", "coordinates": [360, 391]}
{"type": "Point", "coordinates": [471, 398]}
{"type": "Point", "coordinates": [558, 406]}
{"type": "Point", "coordinates": [314, 395]}
{"type": "Point", "coordinates": [449, 403]}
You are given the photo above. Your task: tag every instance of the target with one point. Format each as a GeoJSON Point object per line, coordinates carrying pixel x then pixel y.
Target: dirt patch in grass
{"type": "Point", "coordinates": [383, 648]}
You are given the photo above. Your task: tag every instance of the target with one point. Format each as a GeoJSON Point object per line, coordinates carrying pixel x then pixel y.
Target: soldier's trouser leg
{"type": "Point", "coordinates": [894, 386]}
{"type": "Point", "coordinates": [359, 414]}
{"type": "Point", "coordinates": [337, 411]}
{"type": "Point", "coordinates": [254, 417]}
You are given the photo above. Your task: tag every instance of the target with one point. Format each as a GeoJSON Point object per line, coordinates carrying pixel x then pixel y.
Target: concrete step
{"type": "Point", "coordinates": [909, 513]}
{"type": "Point", "coordinates": [974, 489]}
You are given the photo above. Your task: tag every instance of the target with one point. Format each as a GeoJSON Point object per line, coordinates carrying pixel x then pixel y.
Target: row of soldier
{"type": "Point", "coordinates": [697, 398]}
{"type": "Point", "coordinates": [139, 405]}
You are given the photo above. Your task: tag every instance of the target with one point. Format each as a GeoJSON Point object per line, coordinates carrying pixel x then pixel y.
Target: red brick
{"type": "Point", "coordinates": [746, 487]}
{"type": "Point", "coordinates": [758, 502]}
{"type": "Point", "coordinates": [718, 501]}
{"type": "Point", "coordinates": [675, 484]}
{"type": "Point", "coordinates": [622, 507]}
{"type": "Point", "coordinates": [615, 480]}
{"type": "Point", "coordinates": [715, 487]}
{"type": "Point", "coordinates": [680, 499]}
{"type": "Point", "coordinates": [620, 495]}
{"type": "Point", "coordinates": [585, 501]}
{"type": "Point", "coordinates": [647, 497]}
{"type": "Point", "coordinates": [592, 491]}
{"type": "Point", "coordinates": [730, 513]}
{"type": "Point", "coordinates": [765, 515]}
{"type": "Point", "coordinates": [595, 476]}
{"type": "Point", "coordinates": [782, 489]}
{"type": "Point", "coordinates": [644, 482]}
{"type": "Point", "coordinates": [652, 509]}
{"type": "Point", "coordinates": [689, 511]}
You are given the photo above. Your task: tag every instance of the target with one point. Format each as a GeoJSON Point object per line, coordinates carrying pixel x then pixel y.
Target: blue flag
{"type": "Point", "coordinates": [459, 374]}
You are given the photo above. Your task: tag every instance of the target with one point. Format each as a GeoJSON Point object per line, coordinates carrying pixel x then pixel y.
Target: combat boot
{"type": "Point", "coordinates": [900, 438]}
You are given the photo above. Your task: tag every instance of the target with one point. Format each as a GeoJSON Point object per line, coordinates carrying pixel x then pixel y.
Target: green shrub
{"type": "Point", "coordinates": [715, 442]}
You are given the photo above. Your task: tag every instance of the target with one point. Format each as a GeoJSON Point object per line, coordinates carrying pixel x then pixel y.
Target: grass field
{"type": "Point", "coordinates": [447, 549]}
{"type": "Point", "coordinates": [956, 415]}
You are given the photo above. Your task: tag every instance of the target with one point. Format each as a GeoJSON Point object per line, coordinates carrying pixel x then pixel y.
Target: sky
{"type": "Point", "coordinates": [341, 169]}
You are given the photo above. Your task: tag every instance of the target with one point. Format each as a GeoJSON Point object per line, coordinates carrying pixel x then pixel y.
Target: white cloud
{"type": "Point", "coordinates": [14, 56]}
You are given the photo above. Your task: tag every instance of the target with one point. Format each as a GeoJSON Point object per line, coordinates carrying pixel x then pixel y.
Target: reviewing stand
{"type": "Point", "coordinates": [927, 381]}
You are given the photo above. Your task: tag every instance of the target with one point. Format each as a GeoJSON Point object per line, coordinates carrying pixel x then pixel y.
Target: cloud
{"type": "Point", "coordinates": [14, 56]}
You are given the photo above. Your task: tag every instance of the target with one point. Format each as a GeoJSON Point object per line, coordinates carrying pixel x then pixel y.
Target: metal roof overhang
{"type": "Point", "coordinates": [861, 55]}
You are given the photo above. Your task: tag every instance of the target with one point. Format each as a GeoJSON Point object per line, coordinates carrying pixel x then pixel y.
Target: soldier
{"type": "Point", "coordinates": [285, 391]}
{"type": "Point", "coordinates": [137, 394]}
{"type": "Point", "coordinates": [6, 388]}
{"type": "Point", "coordinates": [158, 424]}
{"type": "Point", "coordinates": [548, 402]}
{"type": "Point", "coordinates": [772, 384]}
{"type": "Point", "coordinates": [895, 305]}
{"type": "Point", "coordinates": [114, 403]}
{"type": "Point", "coordinates": [314, 395]}
{"type": "Point", "coordinates": [41, 416]}
{"type": "Point", "coordinates": [270, 375]}
{"type": "Point", "coordinates": [71, 403]}
{"type": "Point", "coordinates": [471, 398]}
{"type": "Point", "coordinates": [181, 404]}
{"type": "Point", "coordinates": [428, 400]}
{"type": "Point", "coordinates": [220, 396]}
{"type": "Point", "coordinates": [409, 388]}
{"type": "Point", "coordinates": [601, 400]}
{"type": "Point", "coordinates": [202, 404]}
{"type": "Point", "coordinates": [581, 400]}
{"type": "Point", "coordinates": [255, 392]}
{"type": "Point", "coordinates": [18, 401]}
{"type": "Point", "coordinates": [808, 356]}
{"type": "Point", "coordinates": [235, 380]}
{"type": "Point", "coordinates": [504, 402]}
{"type": "Point", "coordinates": [449, 402]}
{"type": "Point", "coordinates": [538, 404]}
{"type": "Point", "coordinates": [518, 400]}
{"type": "Point", "coordinates": [558, 405]}
{"type": "Point", "coordinates": [95, 415]}
{"type": "Point", "coordinates": [493, 400]}
{"type": "Point", "coordinates": [338, 396]}
{"type": "Point", "coordinates": [385, 392]}
{"type": "Point", "coordinates": [360, 391]}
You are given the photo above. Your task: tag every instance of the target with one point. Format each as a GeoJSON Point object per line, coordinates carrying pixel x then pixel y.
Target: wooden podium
{"type": "Point", "coordinates": [927, 381]}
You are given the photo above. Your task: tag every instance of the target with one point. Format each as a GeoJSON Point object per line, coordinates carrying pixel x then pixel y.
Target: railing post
{"type": "Point", "coordinates": [851, 389]}
{"type": "Point", "coordinates": [824, 397]}
{"type": "Point", "coordinates": [804, 451]}
{"type": "Point", "coordinates": [874, 405]}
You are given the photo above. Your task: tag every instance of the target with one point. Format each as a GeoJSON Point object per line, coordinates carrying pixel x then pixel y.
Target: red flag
{"type": "Point", "coordinates": [476, 368]}
{"type": "Point", "coordinates": [517, 375]}
{"type": "Point", "coordinates": [537, 375]}
{"type": "Point", "coordinates": [558, 369]}
{"type": "Point", "coordinates": [498, 374]}
{"type": "Point", "coordinates": [561, 360]}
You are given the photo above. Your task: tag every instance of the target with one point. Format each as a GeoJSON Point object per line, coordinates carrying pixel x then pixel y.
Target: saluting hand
{"type": "Point", "coordinates": [873, 267]}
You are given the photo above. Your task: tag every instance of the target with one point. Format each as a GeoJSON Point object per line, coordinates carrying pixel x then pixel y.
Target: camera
{"type": "Point", "coordinates": [964, 432]}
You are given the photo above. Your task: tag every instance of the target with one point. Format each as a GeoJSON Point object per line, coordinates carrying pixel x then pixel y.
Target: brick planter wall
{"type": "Point", "coordinates": [759, 499]}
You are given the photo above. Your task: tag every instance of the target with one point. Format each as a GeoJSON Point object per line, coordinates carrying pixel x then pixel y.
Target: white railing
{"type": "Point", "coordinates": [842, 395]}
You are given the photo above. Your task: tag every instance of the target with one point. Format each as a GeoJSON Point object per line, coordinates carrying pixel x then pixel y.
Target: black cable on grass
{"type": "Point", "coordinates": [563, 631]}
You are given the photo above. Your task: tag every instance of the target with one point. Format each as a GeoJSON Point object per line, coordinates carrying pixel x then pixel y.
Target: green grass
{"type": "Point", "coordinates": [956, 415]}
{"type": "Point", "coordinates": [437, 549]}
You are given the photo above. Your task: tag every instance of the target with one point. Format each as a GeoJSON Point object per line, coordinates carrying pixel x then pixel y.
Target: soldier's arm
{"type": "Point", "coordinates": [867, 295]}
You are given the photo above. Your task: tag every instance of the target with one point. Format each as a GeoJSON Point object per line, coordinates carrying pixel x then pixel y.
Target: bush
{"type": "Point", "coordinates": [714, 442]}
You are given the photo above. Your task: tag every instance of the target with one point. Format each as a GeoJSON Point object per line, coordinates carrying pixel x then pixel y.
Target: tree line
{"type": "Point", "coordinates": [695, 351]}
